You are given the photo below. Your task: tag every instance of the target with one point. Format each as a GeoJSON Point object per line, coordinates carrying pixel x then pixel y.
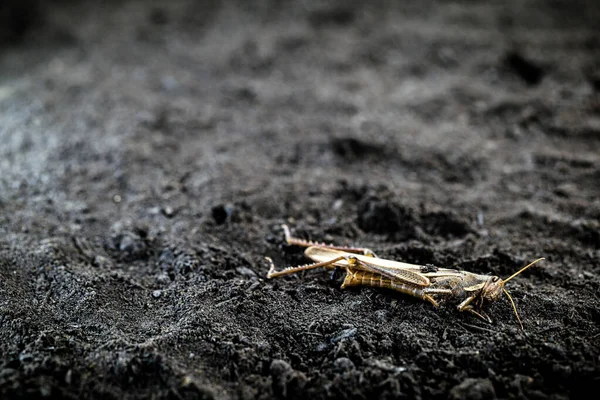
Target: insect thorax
{"type": "Point", "coordinates": [429, 268]}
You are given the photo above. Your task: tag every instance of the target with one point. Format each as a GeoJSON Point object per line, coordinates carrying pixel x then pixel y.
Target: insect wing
{"type": "Point", "coordinates": [390, 264]}
{"type": "Point", "coordinates": [320, 254]}
{"type": "Point", "coordinates": [405, 272]}
{"type": "Point", "coordinates": [405, 275]}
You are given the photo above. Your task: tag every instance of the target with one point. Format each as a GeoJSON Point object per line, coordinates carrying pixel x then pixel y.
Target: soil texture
{"type": "Point", "coordinates": [151, 151]}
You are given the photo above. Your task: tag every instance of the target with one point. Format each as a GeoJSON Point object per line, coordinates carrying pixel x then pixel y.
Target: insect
{"type": "Point", "coordinates": [426, 282]}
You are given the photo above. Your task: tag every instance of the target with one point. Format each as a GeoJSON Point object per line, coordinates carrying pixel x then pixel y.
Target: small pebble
{"type": "Point", "coordinates": [168, 211]}
{"type": "Point", "coordinates": [475, 389]}
{"type": "Point", "coordinates": [279, 367]}
{"type": "Point", "coordinates": [245, 271]}
{"type": "Point", "coordinates": [343, 364]}
{"type": "Point", "coordinates": [156, 294]}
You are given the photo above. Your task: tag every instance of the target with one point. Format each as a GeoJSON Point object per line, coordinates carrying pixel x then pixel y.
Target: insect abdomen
{"type": "Point", "coordinates": [366, 278]}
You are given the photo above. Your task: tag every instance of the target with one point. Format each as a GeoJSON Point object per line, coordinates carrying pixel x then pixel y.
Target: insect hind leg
{"type": "Point", "coordinates": [292, 270]}
{"type": "Point", "coordinates": [309, 243]}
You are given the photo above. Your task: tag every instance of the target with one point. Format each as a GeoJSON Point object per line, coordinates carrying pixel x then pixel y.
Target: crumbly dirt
{"type": "Point", "coordinates": [150, 153]}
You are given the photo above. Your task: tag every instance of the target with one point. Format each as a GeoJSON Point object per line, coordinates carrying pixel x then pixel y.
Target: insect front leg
{"type": "Point", "coordinates": [308, 243]}
{"type": "Point", "coordinates": [466, 305]}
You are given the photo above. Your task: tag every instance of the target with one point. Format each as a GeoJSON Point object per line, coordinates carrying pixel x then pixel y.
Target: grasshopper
{"type": "Point", "coordinates": [426, 282]}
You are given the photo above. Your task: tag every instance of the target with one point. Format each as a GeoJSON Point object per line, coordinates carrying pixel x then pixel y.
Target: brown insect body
{"type": "Point", "coordinates": [457, 284]}
{"type": "Point", "coordinates": [363, 268]}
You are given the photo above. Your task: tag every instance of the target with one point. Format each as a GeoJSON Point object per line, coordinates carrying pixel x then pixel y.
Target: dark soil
{"type": "Point", "coordinates": [149, 155]}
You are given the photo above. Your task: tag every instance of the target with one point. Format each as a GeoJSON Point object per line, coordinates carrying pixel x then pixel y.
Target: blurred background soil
{"type": "Point", "coordinates": [150, 151]}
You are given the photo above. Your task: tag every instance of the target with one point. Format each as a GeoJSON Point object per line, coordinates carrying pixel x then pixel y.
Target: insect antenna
{"type": "Point", "coordinates": [522, 269]}
{"type": "Point", "coordinates": [508, 294]}
{"type": "Point", "coordinates": [514, 308]}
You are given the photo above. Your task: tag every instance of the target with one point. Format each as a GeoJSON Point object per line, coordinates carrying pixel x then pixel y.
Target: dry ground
{"type": "Point", "coordinates": [149, 155]}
